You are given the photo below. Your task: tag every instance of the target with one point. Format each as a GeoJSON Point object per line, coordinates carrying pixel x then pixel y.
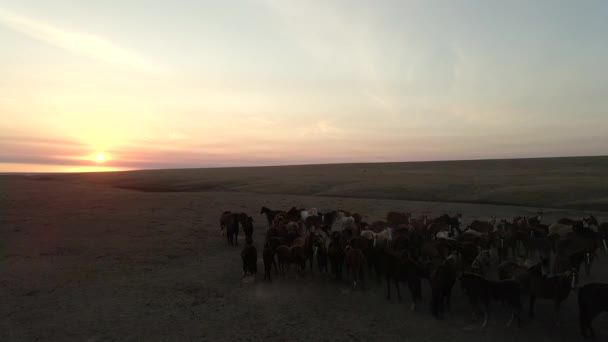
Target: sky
{"type": "Point", "coordinates": [114, 85]}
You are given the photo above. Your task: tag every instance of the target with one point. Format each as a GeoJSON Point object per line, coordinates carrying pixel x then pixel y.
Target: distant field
{"type": "Point", "coordinates": [82, 259]}
{"type": "Point", "coordinates": [573, 183]}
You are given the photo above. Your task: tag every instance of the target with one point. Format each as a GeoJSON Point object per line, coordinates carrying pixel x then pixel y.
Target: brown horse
{"type": "Point", "coordinates": [249, 256]}
{"type": "Point", "coordinates": [270, 214]}
{"type": "Point", "coordinates": [224, 220]}
{"type": "Point", "coordinates": [556, 288]}
{"type": "Point", "coordinates": [393, 218]}
{"type": "Point", "coordinates": [355, 264]}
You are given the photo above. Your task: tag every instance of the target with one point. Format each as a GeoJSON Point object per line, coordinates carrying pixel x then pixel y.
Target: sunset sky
{"type": "Point", "coordinates": [107, 85]}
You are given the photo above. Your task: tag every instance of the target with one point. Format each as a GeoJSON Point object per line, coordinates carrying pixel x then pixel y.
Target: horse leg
{"type": "Point", "coordinates": [362, 276]}
{"type": "Point", "coordinates": [512, 317]}
{"type": "Point", "coordinates": [531, 309]}
{"type": "Point", "coordinates": [398, 289]}
{"type": "Point", "coordinates": [388, 287]}
{"type": "Point", "coordinates": [415, 289]}
{"type": "Point", "coordinates": [435, 302]}
{"type": "Point", "coordinates": [474, 307]}
{"type": "Point", "coordinates": [557, 307]}
{"type": "Point", "coordinates": [514, 301]}
{"type": "Point", "coordinates": [448, 296]}
{"type": "Point", "coordinates": [311, 262]}
{"type": "Point", "coordinates": [486, 313]}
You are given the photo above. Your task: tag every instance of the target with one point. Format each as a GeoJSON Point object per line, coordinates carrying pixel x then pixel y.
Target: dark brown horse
{"type": "Point", "coordinates": [592, 300]}
{"type": "Point", "coordinates": [393, 218]}
{"type": "Point", "coordinates": [232, 229]}
{"type": "Point", "coordinates": [270, 214]}
{"type": "Point", "coordinates": [335, 253]}
{"type": "Point", "coordinates": [355, 264]}
{"type": "Point", "coordinates": [556, 288]}
{"type": "Point", "coordinates": [268, 256]}
{"type": "Point", "coordinates": [398, 266]}
{"type": "Point", "coordinates": [442, 280]}
{"type": "Point", "coordinates": [249, 256]}
{"type": "Point", "coordinates": [247, 223]}
{"type": "Point", "coordinates": [224, 220]}
{"type": "Point", "coordinates": [482, 291]}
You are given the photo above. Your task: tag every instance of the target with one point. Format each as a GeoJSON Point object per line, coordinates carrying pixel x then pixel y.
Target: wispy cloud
{"type": "Point", "coordinates": [80, 43]}
{"type": "Point", "coordinates": [328, 128]}
{"type": "Point", "coordinates": [262, 121]}
{"type": "Point", "coordinates": [177, 135]}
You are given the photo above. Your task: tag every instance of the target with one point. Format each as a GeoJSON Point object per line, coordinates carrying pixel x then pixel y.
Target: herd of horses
{"type": "Point", "coordinates": [534, 259]}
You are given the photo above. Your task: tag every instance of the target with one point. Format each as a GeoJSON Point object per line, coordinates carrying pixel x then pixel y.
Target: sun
{"type": "Point", "coordinates": [100, 158]}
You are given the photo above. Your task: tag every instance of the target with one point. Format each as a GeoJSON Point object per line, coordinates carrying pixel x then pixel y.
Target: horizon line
{"type": "Point", "coordinates": [303, 164]}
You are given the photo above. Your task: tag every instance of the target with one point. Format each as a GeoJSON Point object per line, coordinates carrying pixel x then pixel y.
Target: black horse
{"type": "Point", "coordinates": [481, 291]}
{"type": "Point", "coordinates": [592, 300]}
{"type": "Point", "coordinates": [232, 229]}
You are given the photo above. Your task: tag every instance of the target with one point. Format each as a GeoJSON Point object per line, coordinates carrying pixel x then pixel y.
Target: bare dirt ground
{"type": "Point", "coordinates": [84, 261]}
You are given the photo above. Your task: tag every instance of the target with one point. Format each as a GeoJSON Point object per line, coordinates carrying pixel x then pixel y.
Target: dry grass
{"type": "Point", "coordinates": [83, 260]}
{"type": "Point", "coordinates": [574, 183]}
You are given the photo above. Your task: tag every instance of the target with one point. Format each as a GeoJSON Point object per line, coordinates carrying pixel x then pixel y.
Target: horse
{"type": "Point", "coordinates": [398, 266]}
{"type": "Point", "coordinates": [248, 227]}
{"type": "Point", "coordinates": [232, 229]}
{"type": "Point", "coordinates": [335, 253]}
{"type": "Point", "coordinates": [393, 218]}
{"type": "Point", "coordinates": [355, 264]}
{"type": "Point", "coordinates": [224, 220]}
{"type": "Point", "coordinates": [481, 291]}
{"type": "Point", "coordinates": [579, 248]}
{"type": "Point", "coordinates": [481, 263]}
{"type": "Point", "coordinates": [294, 214]}
{"type": "Point", "coordinates": [442, 280]}
{"type": "Point", "coordinates": [291, 255]}
{"type": "Point", "coordinates": [313, 222]}
{"type": "Point", "coordinates": [249, 256]}
{"type": "Point", "coordinates": [592, 300]}
{"type": "Point", "coordinates": [561, 230]}
{"type": "Point", "coordinates": [603, 235]}
{"type": "Point", "coordinates": [309, 243]}
{"type": "Point", "coordinates": [556, 288]}
{"type": "Point", "coordinates": [270, 214]}
{"type": "Point", "coordinates": [268, 256]}
{"type": "Point", "coordinates": [322, 256]}
{"type": "Point", "coordinates": [483, 226]}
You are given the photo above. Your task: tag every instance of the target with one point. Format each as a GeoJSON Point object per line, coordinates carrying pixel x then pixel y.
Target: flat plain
{"type": "Point", "coordinates": [138, 255]}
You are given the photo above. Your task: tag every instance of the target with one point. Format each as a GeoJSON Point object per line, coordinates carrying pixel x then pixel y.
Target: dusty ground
{"type": "Point", "coordinates": [84, 261]}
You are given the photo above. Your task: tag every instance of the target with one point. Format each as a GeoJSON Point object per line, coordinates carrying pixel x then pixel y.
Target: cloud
{"type": "Point", "coordinates": [262, 121]}
{"type": "Point", "coordinates": [79, 43]}
{"type": "Point", "coordinates": [327, 128]}
{"type": "Point", "coordinates": [30, 140]}
{"type": "Point", "coordinates": [176, 135]}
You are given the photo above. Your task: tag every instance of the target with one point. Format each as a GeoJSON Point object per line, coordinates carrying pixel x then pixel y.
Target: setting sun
{"type": "Point", "coordinates": [100, 158]}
